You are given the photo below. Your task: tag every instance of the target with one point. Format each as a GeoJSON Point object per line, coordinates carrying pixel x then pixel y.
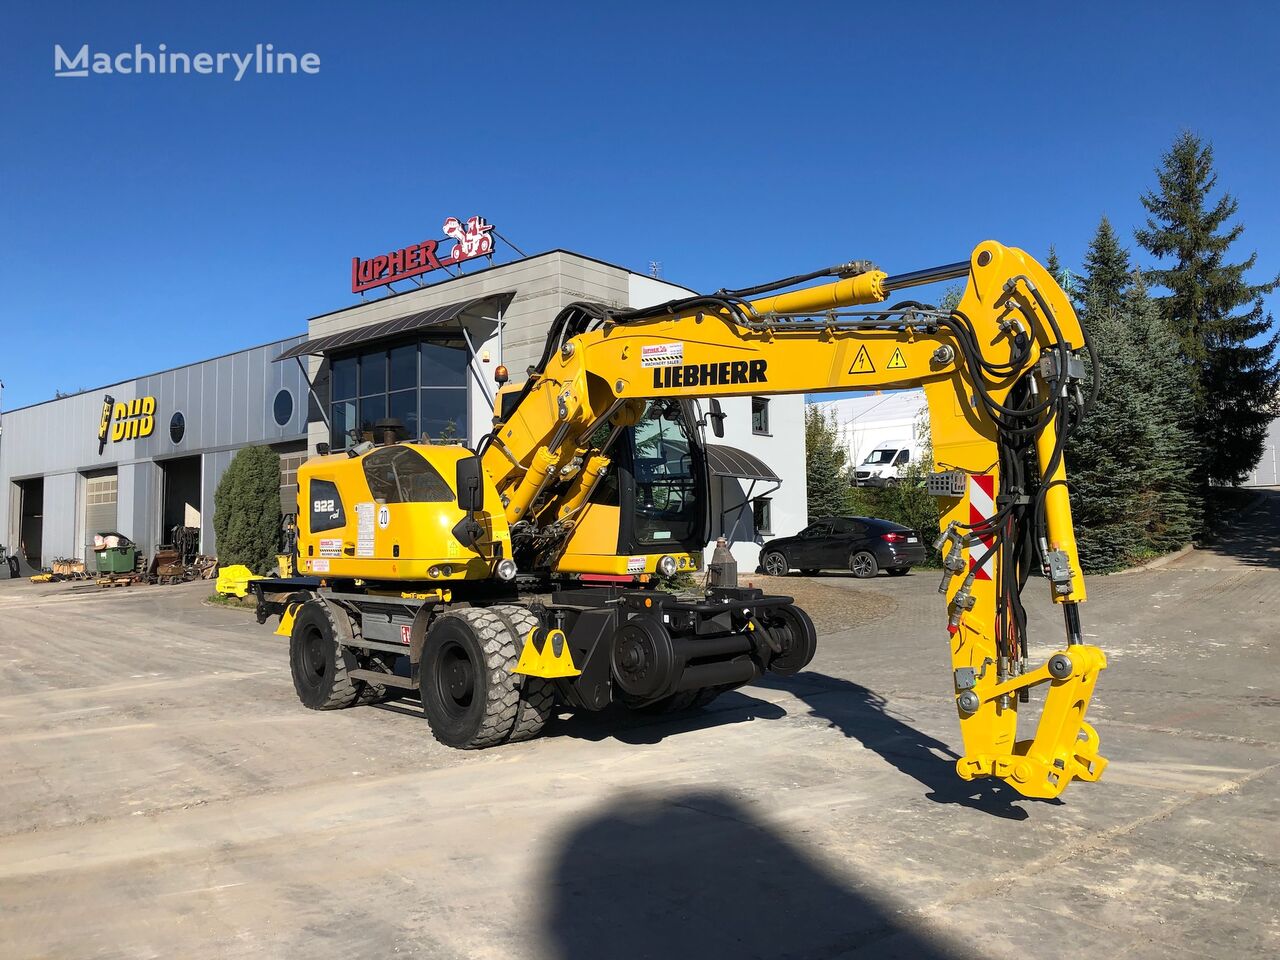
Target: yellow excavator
{"type": "Point", "coordinates": [409, 556]}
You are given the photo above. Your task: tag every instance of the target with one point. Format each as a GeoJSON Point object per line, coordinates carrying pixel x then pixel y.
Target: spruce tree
{"type": "Point", "coordinates": [1106, 448]}
{"type": "Point", "coordinates": [1225, 335]}
{"type": "Point", "coordinates": [1106, 266]}
{"type": "Point", "coordinates": [1168, 508]}
{"type": "Point", "coordinates": [826, 478]}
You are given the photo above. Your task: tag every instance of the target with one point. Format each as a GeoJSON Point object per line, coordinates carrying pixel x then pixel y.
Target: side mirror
{"type": "Point", "coordinates": [717, 416]}
{"type": "Point", "coordinates": [470, 485]}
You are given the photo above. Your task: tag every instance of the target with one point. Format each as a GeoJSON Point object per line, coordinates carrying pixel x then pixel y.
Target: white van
{"type": "Point", "coordinates": [885, 464]}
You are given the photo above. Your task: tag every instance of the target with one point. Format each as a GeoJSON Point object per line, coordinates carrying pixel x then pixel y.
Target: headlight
{"type": "Point", "coordinates": [433, 572]}
{"type": "Point", "coordinates": [666, 566]}
{"type": "Point", "coordinates": [506, 570]}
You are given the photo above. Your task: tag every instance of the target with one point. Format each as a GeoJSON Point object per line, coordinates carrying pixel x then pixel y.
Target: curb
{"type": "Point", "coordinates": [1158, 562]}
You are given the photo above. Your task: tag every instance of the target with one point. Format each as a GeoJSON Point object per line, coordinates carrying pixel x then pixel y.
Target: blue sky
{"type": "Point", "coordinates": [147, 222]}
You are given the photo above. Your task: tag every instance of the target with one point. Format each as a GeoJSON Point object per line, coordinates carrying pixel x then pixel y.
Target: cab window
{"type": "Point", "coordinates": [402, 475]}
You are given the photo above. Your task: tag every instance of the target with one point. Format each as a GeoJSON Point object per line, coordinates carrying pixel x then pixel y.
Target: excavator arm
{"type": "Point", "coordinates": [1002, 373]}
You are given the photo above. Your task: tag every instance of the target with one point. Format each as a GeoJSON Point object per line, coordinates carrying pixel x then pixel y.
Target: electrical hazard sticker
{"type": "Point", "coordinates": [662, 355]}
{"type": "Point", "coordinates": [862, 362]}
{"type": "Point", "coordinates": [897, 361]}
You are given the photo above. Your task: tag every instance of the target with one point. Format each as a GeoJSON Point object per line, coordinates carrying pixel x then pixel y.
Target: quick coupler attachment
{"type": "Point", "coordinates": [546, 654]}
{"type": "Point", "coordinates": [1064, 747]}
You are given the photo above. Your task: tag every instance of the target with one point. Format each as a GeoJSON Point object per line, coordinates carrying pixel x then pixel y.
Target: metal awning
{"type": "Point", "coordinates": [486, 306]}
{"type": "Point", "coordinates": [726, 461]}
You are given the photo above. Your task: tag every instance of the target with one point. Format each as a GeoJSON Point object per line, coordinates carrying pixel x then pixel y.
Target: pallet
{"type": "Point", "coordinates": [120, 580]}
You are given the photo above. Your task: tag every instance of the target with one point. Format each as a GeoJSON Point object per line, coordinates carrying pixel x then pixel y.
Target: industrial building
{"type": "Point", "coordinates": [143, 456]}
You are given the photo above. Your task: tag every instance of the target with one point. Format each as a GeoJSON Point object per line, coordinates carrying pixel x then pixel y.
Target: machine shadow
{"type": "Point", "coordinates": [863, 715]}
{"type": "Point", "coordinates": [697, 875]}
{"type": "Point", "coordinates": [635, 727]}
{"type": "Point", "coordinates": [1254, 539]}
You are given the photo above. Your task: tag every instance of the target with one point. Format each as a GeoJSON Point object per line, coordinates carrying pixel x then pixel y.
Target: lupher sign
{"type": "Point", "coordinates": [471, 239]}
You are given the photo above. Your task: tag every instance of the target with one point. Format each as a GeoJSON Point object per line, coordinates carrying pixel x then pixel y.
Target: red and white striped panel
{"type": "Point", "coordinates": [982, 505]}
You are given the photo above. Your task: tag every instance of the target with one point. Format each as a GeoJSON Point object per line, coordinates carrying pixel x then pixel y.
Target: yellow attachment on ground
{"type": "Point", "coordinates": [1065, 747]}
{"type": "Point", "coordinates": [285, 629]}
{"type": "Point", "coordinates": [42, 578]}
{"type": "Point", "coordinates": [233, 581]}
{"type": "Point", "coordinates": [546, 654]}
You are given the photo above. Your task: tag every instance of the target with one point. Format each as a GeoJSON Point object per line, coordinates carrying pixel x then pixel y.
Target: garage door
{"type": "Point", "coordinates": [99, 503]}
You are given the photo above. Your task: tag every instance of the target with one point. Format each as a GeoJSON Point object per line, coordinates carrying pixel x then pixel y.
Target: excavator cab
{"type": "Point", "coordinates": [653, 500]}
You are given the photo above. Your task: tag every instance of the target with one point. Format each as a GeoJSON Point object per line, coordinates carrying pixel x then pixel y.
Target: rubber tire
{"type": "Point", "coordinates": [330, 688]}
{"type": "Point", "coordinates": [537, 695]}
{"type": "Point", "coordinates": [764, 563]}
{"type": "Point", "coordinates": [867, 573]}
{"type": "Point", "coordinates": [898, 571]}
{"type": "Point", "coordinates": [490, 645]}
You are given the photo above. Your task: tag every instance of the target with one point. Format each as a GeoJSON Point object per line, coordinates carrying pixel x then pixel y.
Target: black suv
{"type": "Point", "coordinates": [862, 545]}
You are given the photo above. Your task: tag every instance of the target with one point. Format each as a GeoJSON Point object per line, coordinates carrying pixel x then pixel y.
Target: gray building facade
{"type": "Point", "coordinates": [59, 485]}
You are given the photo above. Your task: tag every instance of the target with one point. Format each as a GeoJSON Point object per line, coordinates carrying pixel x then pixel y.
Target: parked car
{"type": "Point", "coordinates": [862, 545]}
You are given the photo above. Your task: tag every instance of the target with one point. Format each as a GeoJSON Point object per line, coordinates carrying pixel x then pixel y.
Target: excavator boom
{"type": "Point", "coordinates": [1003, 375]}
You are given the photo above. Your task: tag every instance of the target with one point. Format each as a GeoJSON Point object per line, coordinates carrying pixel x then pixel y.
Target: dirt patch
{"type": "Point", "coordinates": [833, 606]}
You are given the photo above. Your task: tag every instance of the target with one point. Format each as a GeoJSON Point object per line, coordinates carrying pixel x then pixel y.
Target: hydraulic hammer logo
{"type": "Point", "coordinates": [104, 425]}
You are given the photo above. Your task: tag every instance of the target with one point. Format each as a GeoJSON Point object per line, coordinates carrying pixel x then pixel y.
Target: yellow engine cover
{"type": "Point", "coordinates": [390, 514]}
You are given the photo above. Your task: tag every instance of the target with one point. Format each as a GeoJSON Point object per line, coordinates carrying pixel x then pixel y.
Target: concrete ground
{"type": "Point", "coordinates": [164, 795]}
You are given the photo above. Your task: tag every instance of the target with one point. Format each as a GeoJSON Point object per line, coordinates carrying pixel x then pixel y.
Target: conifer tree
{"type": "Point", "coordinates": [1106, 266]}
{"type": "Point", "coordinates": [826, 477]}
{"type": "Point", "coordinates": [1104, 448]}
{"type": "Point", "coordinates": [1225, 335]}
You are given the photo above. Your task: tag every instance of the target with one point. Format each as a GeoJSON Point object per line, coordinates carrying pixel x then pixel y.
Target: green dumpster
{"type": "Point", "coordinates": [116, 553]}
{"type": "Point", "coordinates": [117, 559]}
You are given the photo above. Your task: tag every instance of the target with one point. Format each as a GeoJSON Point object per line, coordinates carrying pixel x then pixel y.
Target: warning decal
{"type": "Point", "coordinates": [897, 361]}
{"type": "Point", "coordinates": [862, 362]}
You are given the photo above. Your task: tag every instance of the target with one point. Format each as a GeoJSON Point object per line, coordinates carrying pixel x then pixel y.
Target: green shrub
{"type": "Point", "coordinates": [246, 517]}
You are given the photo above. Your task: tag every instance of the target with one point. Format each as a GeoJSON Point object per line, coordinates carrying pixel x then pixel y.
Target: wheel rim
{"type": "Point", "coordinates": [314, 662]}
{"type": "Point", "coordinates": [861, 564]}
{"type": "Point", "coordinates": [775, 565]}
{"type": "Point", "coordinates": [455, 679]}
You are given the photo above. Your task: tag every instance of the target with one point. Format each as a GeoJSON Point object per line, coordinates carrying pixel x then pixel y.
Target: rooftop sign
{"type": "Point", "coordinates": [471, 240]}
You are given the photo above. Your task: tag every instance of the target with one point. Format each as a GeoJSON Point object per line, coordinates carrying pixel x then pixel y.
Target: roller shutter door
{"type": "Point", "coordinates": [99, 503]}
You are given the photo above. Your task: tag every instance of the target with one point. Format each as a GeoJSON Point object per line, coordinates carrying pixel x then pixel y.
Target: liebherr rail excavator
{"type": "Point", "coordinates": [408, 554]}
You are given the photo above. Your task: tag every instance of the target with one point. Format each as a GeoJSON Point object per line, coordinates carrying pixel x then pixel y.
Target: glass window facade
{"type": "Point", "coordinates": [421, 384]}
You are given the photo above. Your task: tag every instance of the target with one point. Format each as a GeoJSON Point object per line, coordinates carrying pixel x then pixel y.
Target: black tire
{"type": "Point", "coordinates": [318, 664]}
{"type": "Point", "coordinates": [537, 696]}
{"type": "Point", "coordinates": [899, 571]}
{"type": "Point", "coordinates": [863, 565]}
{"type": "Point", "coordinates": [469, 694]}
{"type": "Point", "coordinates": [775, 563]}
